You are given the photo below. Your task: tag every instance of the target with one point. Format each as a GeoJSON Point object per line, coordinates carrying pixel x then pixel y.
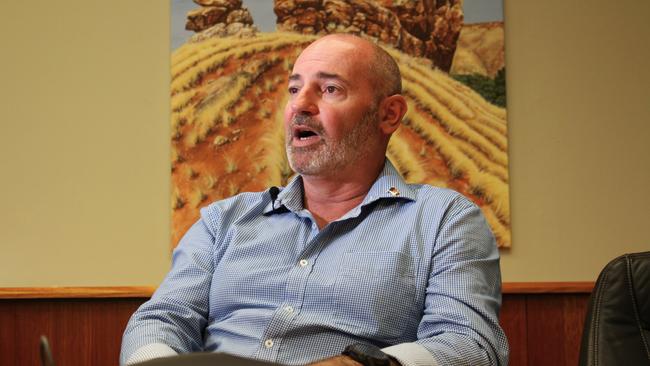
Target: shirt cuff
{"type": "Point", "coordinates": [411, 354]}
{"type": "Point", "coordinates": [149, 352]}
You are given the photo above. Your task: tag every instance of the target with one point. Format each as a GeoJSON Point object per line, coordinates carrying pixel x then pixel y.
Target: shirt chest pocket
{"type": "Point", "coordinates": [375, 295]}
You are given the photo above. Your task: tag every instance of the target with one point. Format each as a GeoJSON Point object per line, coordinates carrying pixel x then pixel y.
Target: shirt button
{"type": "Point", "coordinates": [288, 309]}
{"type": "Point", "coordinates": [303, 262]}
{"type": "Point", "coordinates": [268, 343]}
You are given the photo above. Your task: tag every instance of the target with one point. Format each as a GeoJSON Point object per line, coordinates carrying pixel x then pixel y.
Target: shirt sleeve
{"type": "Point", "coordinates": [150, 352]}
{"type": "Point", "coordinates": [177, 313]}
{"type": "Point", "coordinates": [463, 296]}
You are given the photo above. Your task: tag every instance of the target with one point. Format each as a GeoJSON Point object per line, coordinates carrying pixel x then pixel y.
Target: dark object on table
{"type": "Point", "coordinates": [205, 359]}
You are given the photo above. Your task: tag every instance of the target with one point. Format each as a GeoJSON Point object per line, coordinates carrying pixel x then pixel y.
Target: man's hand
{"type": "Point", "coordinates": [340, 360]}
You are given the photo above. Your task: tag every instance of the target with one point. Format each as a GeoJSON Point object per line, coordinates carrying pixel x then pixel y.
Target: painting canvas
{"type": "Point", "coordinates": [229, 67]}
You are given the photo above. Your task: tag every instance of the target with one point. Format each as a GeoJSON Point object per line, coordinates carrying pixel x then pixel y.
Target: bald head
{"type": "Point", "coordinates": [381, 68]}
{"type": "Point", "coordinates": [343, 106]}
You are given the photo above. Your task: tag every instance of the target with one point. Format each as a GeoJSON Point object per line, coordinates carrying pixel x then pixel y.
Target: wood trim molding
{"type": "Point", "coordinates": [147, 291]}
{"type": "Point", "coordinates": [76, 292]}
{"type": "Point", "coordinates": [547, 287]}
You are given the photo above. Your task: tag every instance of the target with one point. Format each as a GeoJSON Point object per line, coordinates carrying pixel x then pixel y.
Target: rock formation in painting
{"type": "Point", "coordinates": [480, 50]}
{"type": "Point", "coordinates": [423, 28]}
{"type": "Point", "coordinates": [220, 18]}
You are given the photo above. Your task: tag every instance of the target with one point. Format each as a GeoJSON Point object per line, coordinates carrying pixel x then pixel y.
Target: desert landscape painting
{"type": "Point", "coordinates": [229, 81]}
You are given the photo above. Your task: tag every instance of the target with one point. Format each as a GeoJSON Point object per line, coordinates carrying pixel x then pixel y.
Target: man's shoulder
{"type": "Point", "coordinates": [430, 195]}
{"type": "Point", "coordinates": [237, 205]}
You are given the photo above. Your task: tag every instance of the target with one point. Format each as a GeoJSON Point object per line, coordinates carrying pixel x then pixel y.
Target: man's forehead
{"type": "Point", "coordinates": [328, 63]}
{"type": "Point", "coordinates": [323, 75]}
{"type": "Point", "coordinates": [331, 48]}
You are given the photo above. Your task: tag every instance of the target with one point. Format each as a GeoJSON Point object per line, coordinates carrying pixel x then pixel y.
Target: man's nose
{"type": "Point", "coordinates": [304, 102]}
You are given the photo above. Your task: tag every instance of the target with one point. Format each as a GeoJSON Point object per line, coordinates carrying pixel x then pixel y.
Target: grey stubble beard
{"type": "Point", "coordinates": [327, 155]}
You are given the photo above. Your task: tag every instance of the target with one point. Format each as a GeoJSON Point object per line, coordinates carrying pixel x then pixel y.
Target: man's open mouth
{"type": "Point", "coordinates": [304, 136]}
{"type": "Point", "coordinates": [303, 133]}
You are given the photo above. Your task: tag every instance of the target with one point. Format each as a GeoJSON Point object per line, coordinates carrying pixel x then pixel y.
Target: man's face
{"type": "Point", "coordinates": [331, 117]}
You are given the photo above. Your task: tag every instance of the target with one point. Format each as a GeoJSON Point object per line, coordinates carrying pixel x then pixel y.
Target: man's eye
{"type": "Point", "coordinates": [331, 89]}
{"type": "Point", "coordinates": [293, 90]}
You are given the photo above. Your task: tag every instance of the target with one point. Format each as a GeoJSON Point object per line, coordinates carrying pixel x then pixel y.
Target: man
{"type": "Point", "coordinates": [346, 255]}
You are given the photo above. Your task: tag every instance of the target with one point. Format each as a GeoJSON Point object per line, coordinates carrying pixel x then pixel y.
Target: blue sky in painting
{"type": "Point", "coordinates": [476, 11]}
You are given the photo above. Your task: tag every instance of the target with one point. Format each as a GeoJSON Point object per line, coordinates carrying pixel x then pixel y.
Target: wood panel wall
{"type": "Point", "coordinates": [543, 323]}
{"type": "Point", "coordinates": [82, 332]}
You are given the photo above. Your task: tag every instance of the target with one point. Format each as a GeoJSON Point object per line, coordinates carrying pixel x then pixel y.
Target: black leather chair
{"type": "Point", "coordinates": [617, 326]}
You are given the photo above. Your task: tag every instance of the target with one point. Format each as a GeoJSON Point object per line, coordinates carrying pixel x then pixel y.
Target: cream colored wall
{"type": "Point", "coordinates": [579, 126]}
{"type": "Point", "coordinates": [84, 142]}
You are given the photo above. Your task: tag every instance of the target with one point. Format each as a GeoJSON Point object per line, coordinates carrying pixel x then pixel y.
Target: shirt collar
{"type": "Point", "coordinates": [289, 198]}
{"type": "Point", "coordinates": [388, 185]}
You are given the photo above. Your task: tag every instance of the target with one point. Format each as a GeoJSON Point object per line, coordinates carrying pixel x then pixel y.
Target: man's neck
{"type": "Point", "coordinates": [330, 197]}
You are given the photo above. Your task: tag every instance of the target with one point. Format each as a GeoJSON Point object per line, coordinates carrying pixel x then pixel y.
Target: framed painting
{"type": "Point", "coordinates": [229, 67]}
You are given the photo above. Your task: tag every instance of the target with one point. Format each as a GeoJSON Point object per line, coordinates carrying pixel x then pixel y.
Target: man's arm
{"type": "Point", "coordinates": [463, 296]}
{"type": "Point", "coordinates": [173, 320]}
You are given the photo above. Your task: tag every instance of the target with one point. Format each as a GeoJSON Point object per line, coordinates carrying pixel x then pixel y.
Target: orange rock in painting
{"type": "Point", "coordinates": [480, 50]}
{"type": "Point", "coordinates": [426, 28]}
{"type": "Point", "coordinates": [215, 12]}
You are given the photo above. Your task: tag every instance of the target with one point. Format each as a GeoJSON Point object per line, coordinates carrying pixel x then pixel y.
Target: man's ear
{"type": "Point", "coordinates": [391, 111]}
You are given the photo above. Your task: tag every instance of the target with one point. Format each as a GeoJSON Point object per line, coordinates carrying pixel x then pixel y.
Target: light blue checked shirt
{"type": "Point", "coordinates": [415, 272]}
